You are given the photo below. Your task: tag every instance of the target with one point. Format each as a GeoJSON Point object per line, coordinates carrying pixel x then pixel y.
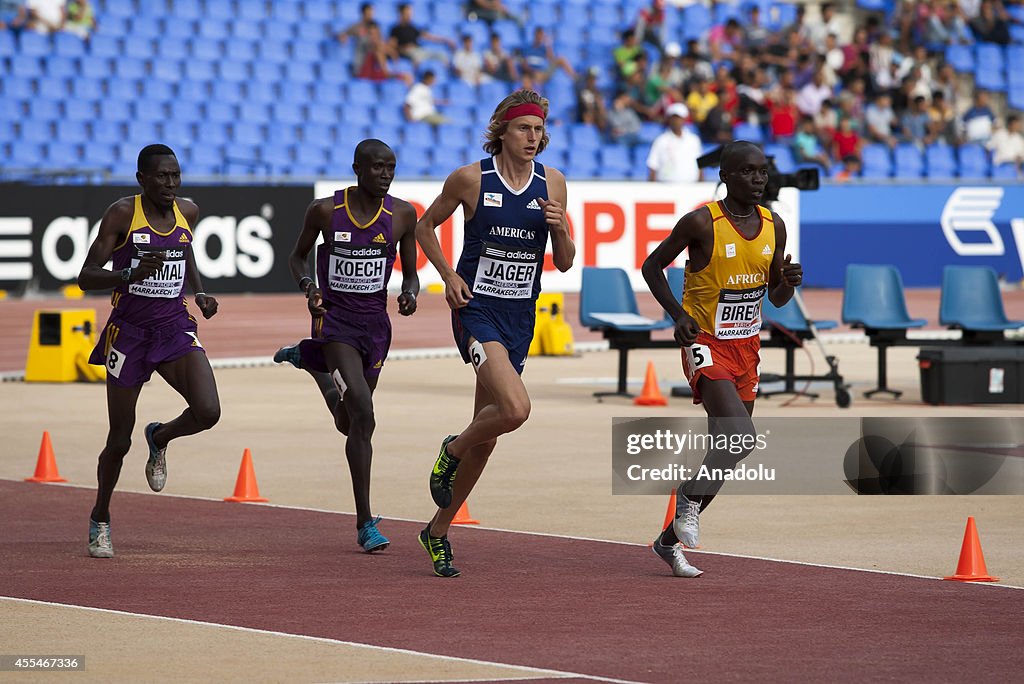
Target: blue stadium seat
{"type": "Point", "coordinates": [615, 161]}
{"type": "Point", "coordinates": [278, 32]}
{"type": "Point", "coordinates": [909, 162]}
{"type": "Point", "coordinates": [873, 298]}
{"type": "Point", "coordinates": [36, 131]}
{"type": "Point", "coordinates": [301, 72]}
{"type": "Point", "coordinates": [583, 162]}
{"type": "Point", "coordinates": [206, 49]}
{"type": "Point", "coordinates": [318, 133]}
{"type": "Point", "coordinates": [222, 10]}
{"type": "Point", "coordinates": [26, 66]}
{"type": "Point", "coordinates": [149, 111]}
{"type": "Point", "coordinates": [783, 156]}
{"type": "Point", "coordinates": [940, 160]}
{"type": "Point", "coordinates": [116, 109]}
{"type": "Point", "coordinates": [1006, 171]}
{"type": "Point", "coordinates": [112, 26]}
{"type": "Point", "coordinates": [288, 113]}
{"type": "Point", "coordinates": [44, 110]}
{"type": "Point", "coordinates": [990, 56]}
{"type": "Point", "coordinates": [246, 30]}
{"type": "Point", "coordinates": [877, 162]}
{"type": "Point", "coordinates": [120, 8]}
{"type": "Point", "coordinates": [54, 88]}
{"type": "Point", "coordinates": [87, 88]}
{"type": "Point", "coordinates": [247, 133]}
{"type": "Point", "coordinates": [168, 70]}
{"type": "Point", "coordinates": [210, 133]}
{"type": "Point", "coordinates": [311, 154]}
{"type": "Point", "coordinates": [99, 154]}
{"type": "Point", "coordinates": [453, 134]}
{"type": "Point", "coordinates": [79, 110]}
{"type": "Point", "coordinates": [584, 137]}
{"type": "Point", "coordinates": [8, 46]}
{"type": "Point", "coordinates": [289, 11]}
{"type": "Point", "coordinates": [971, 300]}
{"type": "Point", "coordinates": [231, 70]}
{"type": "Point", "coordinates": [123, 89]}
{"type": "Point", "coordinates": [275, 51]}
{"type": "Point", "coordinates": [34, 44]}
{"type": "Point", "coordinates": [987, 79]}
{"type": "Point", "coordinates": [130, 69]}
{"type": "Point", "coordinates": [106, 131]}
{"type": "Point", "coordinates": [278, 156]}
{"type": "Point", "coordinates": [96, 67]}
{"type": "Point", "coordinates": [394, 91]}
{"type": "Point", "coordinates": [306, 52]}
{"type": "Point", "coordinates": [68, 45]}
{"type": "Point", "coordinates": [252, 11]}
{"type": "Point", "coordinates": [74, 132]}
{"type": "Point", "coordinates": [319, 112]}
{"type": "Point", "coordinates": [142, 133]}
{"type": "Point", "coordinates": [961, 57]}
{"type": "Point", "coordinates": [318, 11]}
{"type": "Point", "coordinates": [61, 67]}
{"type": "Point", "coordinates": [223, 112]}
{"type": "Point", "coordinates": [974, 161]}
{"type": "Point", "coordinates": [62, 156]}
{"type": "Point", "coordinates": [207, 156]}
{"type": "Point", "coordinates": [26, 154]}
{"type": "Point", "coordinates": [746, 131]}
{"type": "Point", "coordinates": [181, 29]}
{"type": "Point", "coordinates": [260, 91]}
{"type": "Point", "coordinates": [140, 49]}
{"type": "Point", "coordinates": [177, 133]}
{"type": "Point", "coordinates": [228, 91]}
{"type": "Point", "coordinates": [190, 9]}
{"type": "Point", "coordinates": [142, 29]}
{"type": "Point", "coordinates": [241, 50]}
{"type": "Point", "coordinates": [255, 112]}
{"type": "Point", "coordinates": [211, 28]}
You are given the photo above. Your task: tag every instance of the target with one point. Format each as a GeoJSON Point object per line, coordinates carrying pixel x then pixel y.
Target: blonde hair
{"type": "Point", "coordinates": [498, 126]}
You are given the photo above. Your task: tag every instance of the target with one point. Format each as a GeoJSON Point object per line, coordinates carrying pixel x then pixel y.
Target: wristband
{"type": "Point", "coordinates": [126, 274]}
{"type": "Point", "coordinates": [409, 292]}
{"type": "Point", "coordinates": [200, 294]}
{"type": "Point", "coordinates": [303, 285]}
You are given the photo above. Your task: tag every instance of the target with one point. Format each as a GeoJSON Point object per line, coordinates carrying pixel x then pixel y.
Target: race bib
{"type": "Point", "coordinates": [115, 362]}
{"type": "Point", "coordinates": [165, 283]}
{"type": "Point", "coordinates": [506, 272]}
{"type": "Point", "coordinates": [698, 356]}
{"type": "Point", "coordinates": [739, 313]}
{"type": "Point", "coordinates": [357, 269]}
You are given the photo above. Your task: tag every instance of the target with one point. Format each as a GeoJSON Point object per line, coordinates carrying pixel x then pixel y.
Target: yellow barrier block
{"type": "Point", "coordinates": [3, 294]}
{"type": "Point", "coordinates": [435, 288]}
{"type": "Point", "coordinates": [60, 346]}
{"type": "Point", "coordinates": [552, 335]}
{"type": "Point", "coordinates": [72, 292]}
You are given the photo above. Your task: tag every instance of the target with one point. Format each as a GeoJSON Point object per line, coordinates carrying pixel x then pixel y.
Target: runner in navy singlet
{"type": "Point", "coordinates": [512, 205]}
{"type": "Point", "coordinates": [363, 227]}
{"type": "Point", "coordinates": [149, 239]}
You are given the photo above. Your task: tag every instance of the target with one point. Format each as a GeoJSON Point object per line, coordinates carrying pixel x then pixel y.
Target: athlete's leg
{"type": "Point", "coordinates": [192, 377]}
{"type": "Point", "coordinates": [121, 402]}
{"type": "Point", "coordinates": [470, 468]}
{"type": "Point", "coordinates": [508, 406]}
{"type": "Point", "coordinates": [356, 401]}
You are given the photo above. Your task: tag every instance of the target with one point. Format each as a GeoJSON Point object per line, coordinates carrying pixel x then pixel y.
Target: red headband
{"type": "Point", "coordinates": [525, 109]}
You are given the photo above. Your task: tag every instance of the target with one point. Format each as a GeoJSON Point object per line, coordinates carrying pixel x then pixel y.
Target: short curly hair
{"type": "Point", "coordinates": [498, 126]}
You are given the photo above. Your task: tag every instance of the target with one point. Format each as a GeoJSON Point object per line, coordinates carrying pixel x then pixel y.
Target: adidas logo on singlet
{"type": "Point", "coordinates": [183, 238]}
{"type": "Point", "coordinates": [379, 237]}
{"type": "Point", "coordinates": [533, 204]}
{"type": "Point", "coordinates": [766, 251]}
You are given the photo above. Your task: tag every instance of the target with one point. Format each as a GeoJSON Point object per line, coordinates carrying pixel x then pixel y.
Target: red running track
{"type": "Point", "coordinates": [586, 607]}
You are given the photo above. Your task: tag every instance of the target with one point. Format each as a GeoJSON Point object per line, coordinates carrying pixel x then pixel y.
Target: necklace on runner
{"type": "Point", "coordinates": [734, 214]}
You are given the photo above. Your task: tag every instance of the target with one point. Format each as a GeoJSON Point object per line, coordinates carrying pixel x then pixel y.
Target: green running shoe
{"type": "Point", "coordinates": [442, 477]}
{"type": "Point", "coordinates": [440, 551]}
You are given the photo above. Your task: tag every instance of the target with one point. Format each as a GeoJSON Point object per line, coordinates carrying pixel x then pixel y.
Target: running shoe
{"type": "Point", "coordinates": [290, 354]}
{"type": "Point", "coordinates": [100, 545]}
{"type": "Point", "coordinates": [673, 555]}
{"type": "Point", "coordinates": [687, 522]}
{"type": "Point", "coordinates": [370, 537]}
{"type": "Point", "coordinates": [156, 466]}
{"type": "Point", "coordinates": [442, 477]}
{"type": "Point", "coordinates": [440, 551]}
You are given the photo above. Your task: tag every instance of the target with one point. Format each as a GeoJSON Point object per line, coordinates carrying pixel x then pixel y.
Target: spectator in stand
{"type": "Point", "coordinates": [949, 84]}
{"type": "Point", "coordinates": [992, 25]}
{"type": "Point", "coordinates": [81, 19]}
{"type": "Point", "coordinates": [1007, 144]}
{"type": "Point", "coordinates": [46, 16]}
{"type": "Point", "coordinates": [701, 100]}
{"type": "Point", "coordinates": [635, 86]}
{"type": "Point", "coordinates": [498, 63]}
{"type": "Point", "coordinates": [784, 115]}
{"type": "Point", "coordinates": [696, 62]}
{"type": "Point", "coordinates": [725, 39]}
{"type": "Point", "coordinates": [942, 119]}
{"type": "Point", "coordinates": [490, 11]}
{"type": "Point", "coordinates": [623, 122]}
{"type": "Point", "coordinates": [826, 122]}
{"type": "Point", "coordinates": [678, 75]}
{"type": "Point", "coordinates": [814, 94]}
{"type": "Point", "coordinates": [590, 107]}
{"type": "Point", "coordinates": [405, 39]}
{"type": "Point", "coordinates": [979, 119]}
{"type": "Point", "coordinates": [807, 147]}
{"type": "Point", "coordinates": [882, 58]}
{"type": "Point", "coordinates": [540, 60]}
{"type": "Point", "coordinates": [376, 65]}
{"type": "Point", "coordinates": [880, 120]}
{"type": "Point", "coordinates": [13, 15]}
{"type": "Point", "coordinates": [832, 60]}
{"type": "Point", "coordinates": [944, 24]}
{"type": "Point", "coordinates": [359, 33]}
{"type": "Point", "coordinates": [627, 52]}
{"type": "Point", "coordinates": [846, 142]}
{"type": "Point", "coordinates": [756, 36]}
{"type": "Point", "coordinates": [468, 64]}
{"type": "Point", "coordinates": [650, 25]}
{"type": "Point", "coordinates": [851, 169]}
{"type": "Point", "coordinates": [674, 153]}
{"type": "Point", "coordinates": [916, 124]}
{"type": "Point", "coordinates": [799, 32]}
{"type": "Point", "coordinates": [753, 94]}
{"type": "Point", "coordinates": [858, 51]}
{"type": "Point", "coordinates": [420, 104]}
{"type": "Point", "coordinates": [818, 30]}
{"type": "Point", "coordinates": [658, 94]}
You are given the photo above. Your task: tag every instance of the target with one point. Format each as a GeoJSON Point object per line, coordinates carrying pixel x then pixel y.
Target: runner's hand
{"type": "Point", "coordinates": [407, 303]}
{"type": "Point", "coordinates": [207, 305]}
{"type": "Point", "coordinates": [792, 274]}
{"type": "Point", "coordinates": [686, 330]}
{"type": "Point", "coordinates": [456, 291]}
{"type": "Point", "coordinates": [150, 263]}
{"type": "Point", "coordinates": [554, 213]}
{"type": "Point", "coordinates": [315, 301]}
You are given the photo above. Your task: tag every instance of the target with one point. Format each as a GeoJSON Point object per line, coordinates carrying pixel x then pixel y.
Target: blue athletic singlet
{"type": "Point", "coordinates": [157, 299]}
{"type": "Point", "coordinates": [354, 263]}
{"type": "Point", "coordinates": [503, 253]}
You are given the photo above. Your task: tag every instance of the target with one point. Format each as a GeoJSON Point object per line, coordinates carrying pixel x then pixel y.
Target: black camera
{"type": "Point", "coordinates": [806, 178]}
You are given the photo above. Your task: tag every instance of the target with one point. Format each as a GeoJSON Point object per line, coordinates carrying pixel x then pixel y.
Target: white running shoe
{"type": "Point", "coordinates": [687, 522]}
{"type": "Point", "coordinates": [673, 555]}
{"type": "Point", "coordinates": [100, 545]}
{"type": "Point", "coordinates": [156, 466]}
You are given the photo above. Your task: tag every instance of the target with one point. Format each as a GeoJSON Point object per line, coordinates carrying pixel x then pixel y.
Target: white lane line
{"type": "Point", "coordinates": [551, 535]}
{"type": "Point", "coordinates": [326, 640]}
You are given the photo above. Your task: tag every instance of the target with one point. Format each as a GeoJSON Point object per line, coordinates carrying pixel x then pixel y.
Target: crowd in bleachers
{"type": "Point", "coordinates": [904, 88]}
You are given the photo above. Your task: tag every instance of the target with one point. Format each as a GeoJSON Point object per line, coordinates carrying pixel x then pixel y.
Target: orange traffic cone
{"type": "Point", "coordinates": [246, 489]}
{"type": "Point", "coordinates": [462, 516]}
{"type": "Point", "coordinates": [651, 395]}
{"type": "Point", "coordinates": [670, 512]}
{"type": "Point", "coordinates": [971, 567]}
{"type": "Point", "coordinates": [46, 465]}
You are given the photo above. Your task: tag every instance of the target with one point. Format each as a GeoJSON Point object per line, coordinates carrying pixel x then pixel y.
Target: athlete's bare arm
{"type": "Point", "coordinates": [563, 251]}
{"type": "Point", "coordinates": [693, 231]}
{"type": "Point", "coordinates": [318, 216]}
{"type": "Point", "coordinates": [783, 275]}
{"type": "Point", "coordinates": [403, 231]}
{"type": "Point", "coordinates": [462, 187]}
{"type": "Point", "coordinates": [113, 230]}
{"type": "Point", "coordinates": [207, 304]}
